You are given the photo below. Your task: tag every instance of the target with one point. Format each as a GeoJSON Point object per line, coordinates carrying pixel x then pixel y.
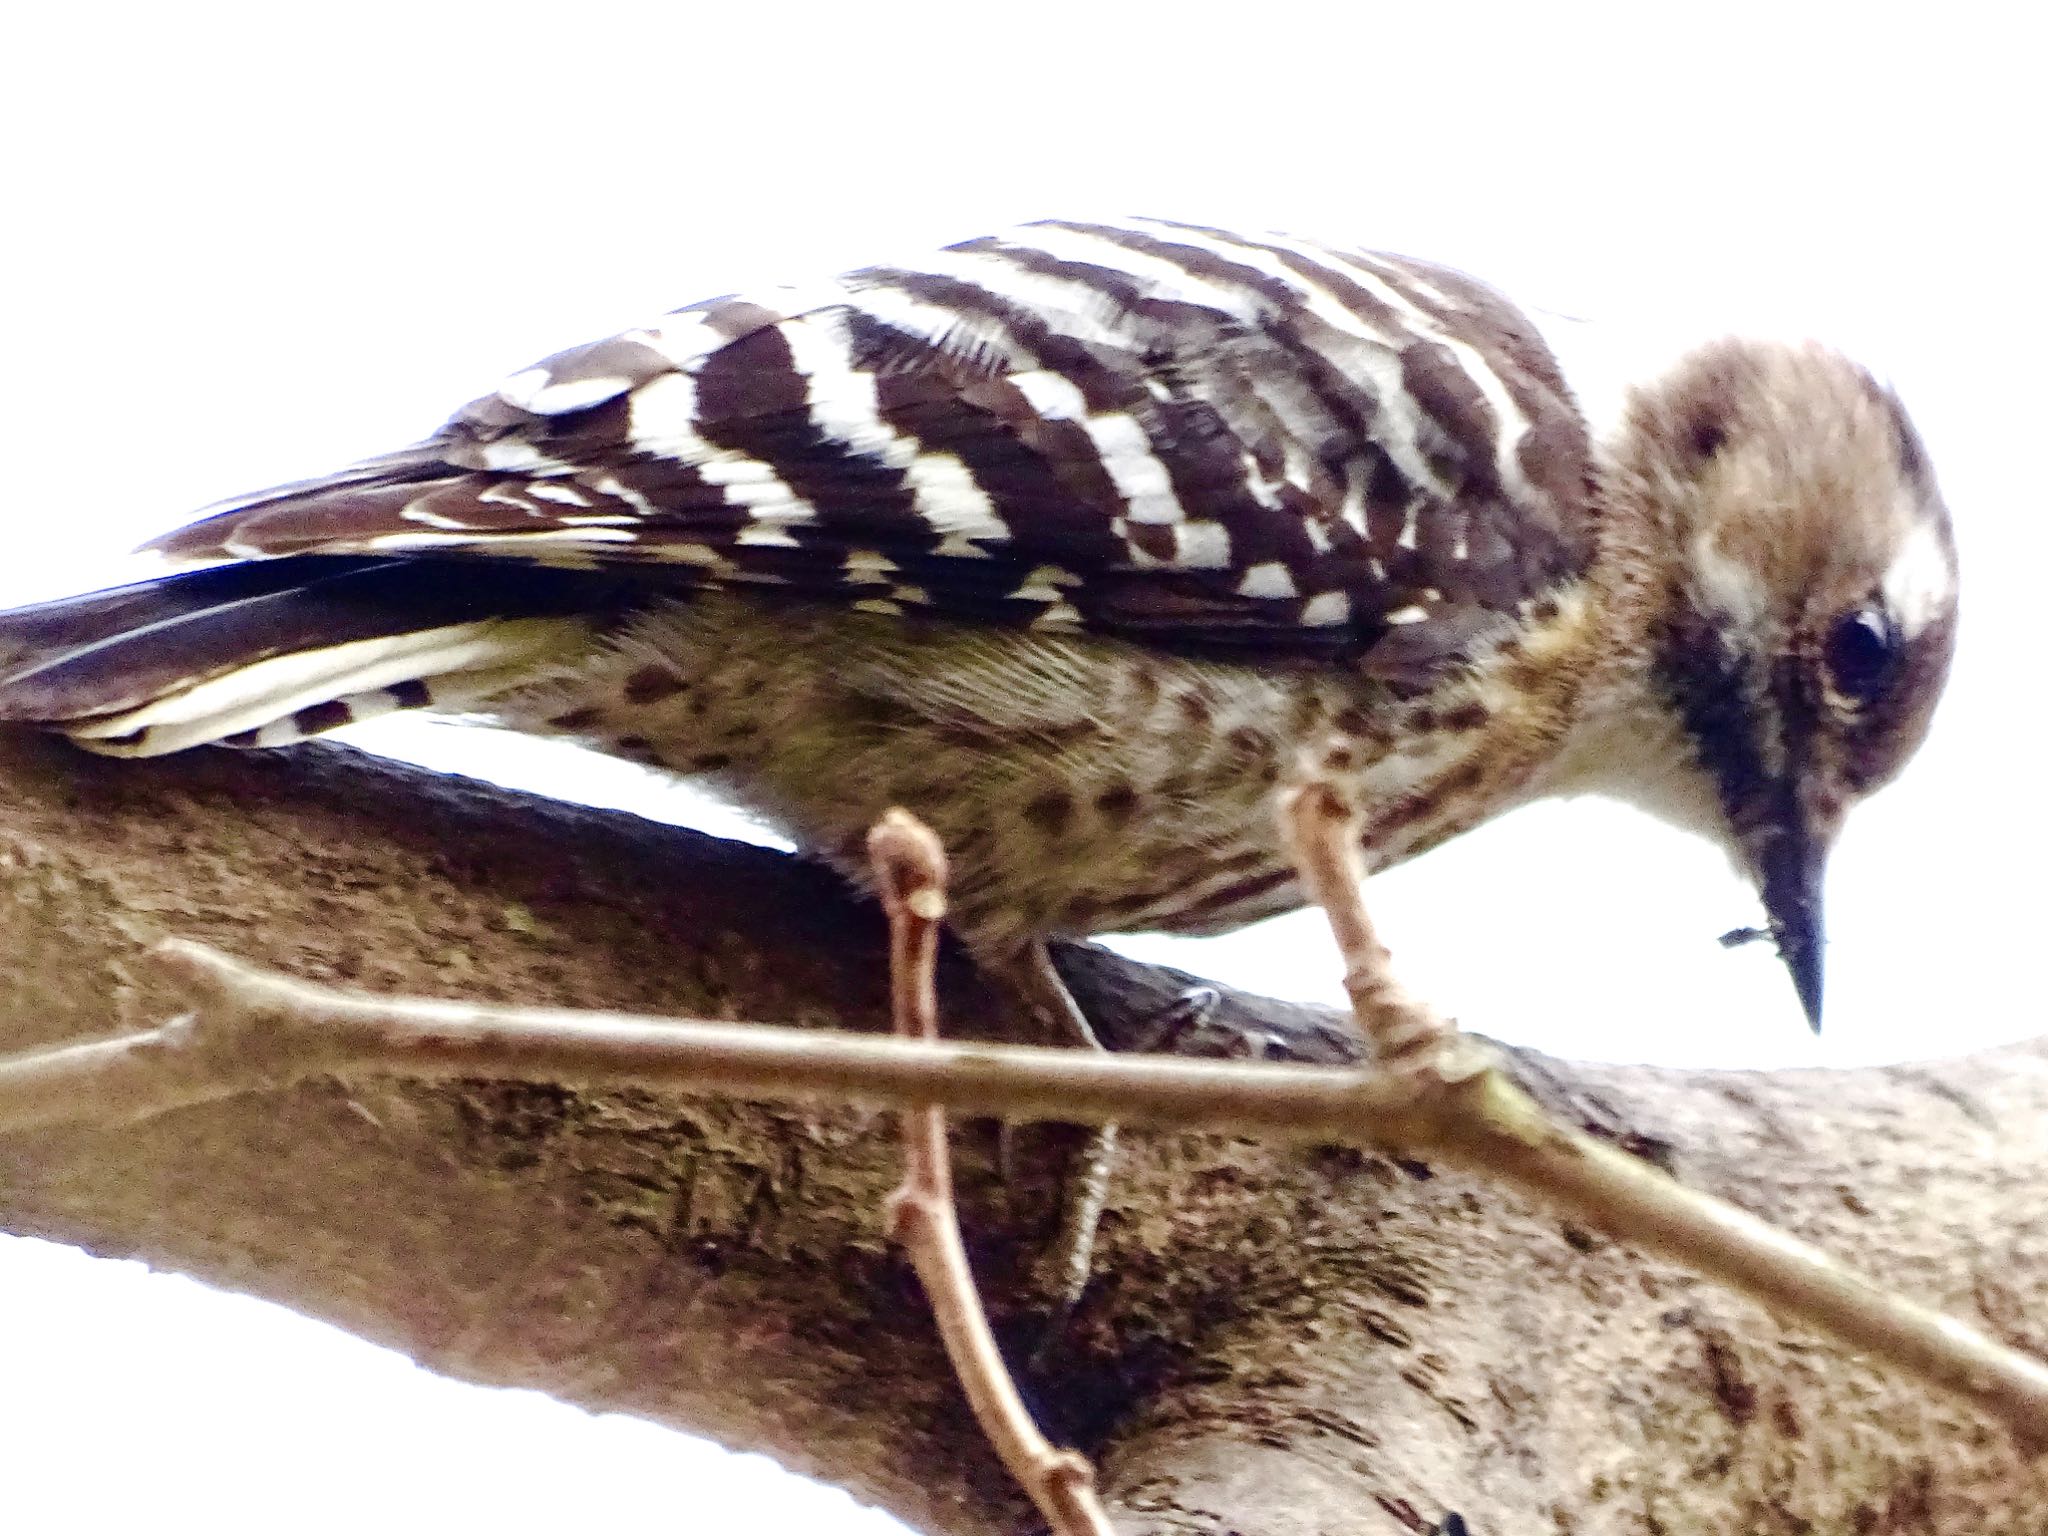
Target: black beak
{"type": "Point", "coordinates": [1792, 867]}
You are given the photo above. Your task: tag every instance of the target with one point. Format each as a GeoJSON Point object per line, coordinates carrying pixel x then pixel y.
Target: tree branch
{"type": "Point", "coordinates": [255, 1031]}
{"type": "Point", "coordinates": [1276, 1341]}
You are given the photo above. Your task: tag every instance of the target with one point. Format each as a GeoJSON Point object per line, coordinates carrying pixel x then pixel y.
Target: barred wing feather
{"type": "Point", "coordinates": [1146, 429]}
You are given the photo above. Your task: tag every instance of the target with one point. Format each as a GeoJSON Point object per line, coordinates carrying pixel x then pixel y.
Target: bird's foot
{"type": "Point", "coordinates": [1064, 1269]}
{"type": "Point", "coordinates": [1062, 1272]}
{"type": "Point", "coordinates": [1403, 1030]}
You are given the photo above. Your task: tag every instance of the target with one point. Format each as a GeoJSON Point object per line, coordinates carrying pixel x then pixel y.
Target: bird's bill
{"type": "Point", "coordinates": [1791, 868]}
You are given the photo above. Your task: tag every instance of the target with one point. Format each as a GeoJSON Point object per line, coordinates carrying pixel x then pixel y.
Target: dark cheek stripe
{"type": "Point", "coordinates": [1796, 697]}
{"type": "Point", "coordinates": [1712, 698]}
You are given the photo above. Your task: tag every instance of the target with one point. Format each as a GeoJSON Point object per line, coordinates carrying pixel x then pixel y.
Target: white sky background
{"type": "Point", "coordinates": [250, 245]}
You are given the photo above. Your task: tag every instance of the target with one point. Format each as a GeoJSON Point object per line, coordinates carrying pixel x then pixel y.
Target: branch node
{"type": "Point", "coordinates": [910, 865]}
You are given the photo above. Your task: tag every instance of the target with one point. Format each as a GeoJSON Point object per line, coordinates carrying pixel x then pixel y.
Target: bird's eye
{"type": "Point", "coordinates": [1862, 650]}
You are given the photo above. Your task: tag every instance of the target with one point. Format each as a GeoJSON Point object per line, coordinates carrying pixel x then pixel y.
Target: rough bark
{"type": "Point", "coordinates": [1276, 1342]}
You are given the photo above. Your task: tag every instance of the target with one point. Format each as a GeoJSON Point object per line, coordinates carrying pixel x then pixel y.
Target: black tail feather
{"type": "Point", "coordinates": [113, 650]}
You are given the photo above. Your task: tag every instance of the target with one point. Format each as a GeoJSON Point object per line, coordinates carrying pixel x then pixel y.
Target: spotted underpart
{"type": "Point", "coordinates": [1039, 757]}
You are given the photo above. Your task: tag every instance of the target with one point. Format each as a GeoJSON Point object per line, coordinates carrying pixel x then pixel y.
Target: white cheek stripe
{"type": "Point", "coordinates": [1920, 585]}
{"type": "Point", "coordinates": [1734, 588]}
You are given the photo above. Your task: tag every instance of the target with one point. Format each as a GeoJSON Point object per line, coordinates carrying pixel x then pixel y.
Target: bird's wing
{"type": "Point", "coordinates": [1146, 429]}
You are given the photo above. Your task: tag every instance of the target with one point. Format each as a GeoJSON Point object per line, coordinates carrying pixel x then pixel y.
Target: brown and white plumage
{"type": "Point", "coordinates": [1146, 429]}
{"type": "Point", "coordinates": [1070, 538]}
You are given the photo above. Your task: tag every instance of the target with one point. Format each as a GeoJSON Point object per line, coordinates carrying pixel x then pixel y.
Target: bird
{"type": "Point", "coordinates": [1072, 539]}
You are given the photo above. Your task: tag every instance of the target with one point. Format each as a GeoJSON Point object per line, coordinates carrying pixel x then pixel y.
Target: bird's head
{"type": "Point", "coordinates": [1803, 630]}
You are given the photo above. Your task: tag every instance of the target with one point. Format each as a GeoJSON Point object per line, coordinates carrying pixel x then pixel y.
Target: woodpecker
{"type": "Point", "coordinates": [1071, 539]}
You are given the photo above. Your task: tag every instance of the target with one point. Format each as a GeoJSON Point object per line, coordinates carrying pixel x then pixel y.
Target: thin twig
{"type": "Point", "coordinates": [247, 1031]}
{"type": "Point", "coordinates": [910, 870]}
{"type": "Point", "coordinates": [257, 1030]}
{"type": "Point", "coordinates": [295, 1030]}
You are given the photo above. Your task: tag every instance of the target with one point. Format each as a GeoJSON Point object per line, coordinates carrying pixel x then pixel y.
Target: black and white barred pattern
{"type": "Point", "coordinates": [1157, 430]}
